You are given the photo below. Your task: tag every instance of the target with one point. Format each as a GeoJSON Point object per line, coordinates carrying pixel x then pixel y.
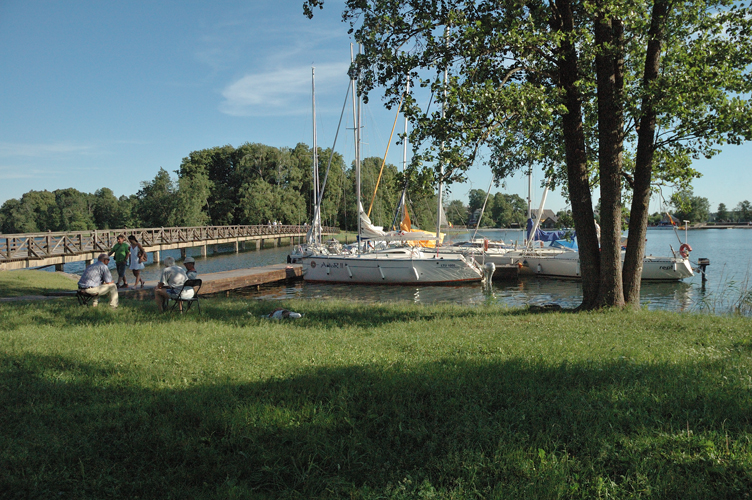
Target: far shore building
{"type": "Point", "coordinates": [548, 218]}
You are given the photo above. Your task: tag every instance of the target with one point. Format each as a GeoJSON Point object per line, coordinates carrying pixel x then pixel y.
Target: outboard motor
{"type": "Point", "coordinates": [488, 271]}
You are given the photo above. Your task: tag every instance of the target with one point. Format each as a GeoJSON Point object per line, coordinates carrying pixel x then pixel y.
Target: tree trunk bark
{"type": "Point", "coordinates": [638, 219]}
{"type": "Point", "coordinates": [609, 77]}
{"type": "Point", "coordinates": [574, 144]}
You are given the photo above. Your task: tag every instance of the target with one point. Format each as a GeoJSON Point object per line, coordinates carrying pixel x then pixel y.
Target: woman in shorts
{"type": "Point", "coordinates": [138, 257]}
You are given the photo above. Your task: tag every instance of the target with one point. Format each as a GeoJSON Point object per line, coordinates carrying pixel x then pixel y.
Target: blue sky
{"type": "Point", "coordinates": [102, 94]}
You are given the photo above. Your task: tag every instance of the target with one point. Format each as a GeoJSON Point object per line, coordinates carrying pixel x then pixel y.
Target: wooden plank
{"type": "Point", "coordinates": [227, 280]}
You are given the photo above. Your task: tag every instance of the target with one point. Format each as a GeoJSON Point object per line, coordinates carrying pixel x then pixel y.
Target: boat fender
{"type": "Point", "coordinates": [485, 244]}
{"type": "Point", "coordinates": [684, 250]}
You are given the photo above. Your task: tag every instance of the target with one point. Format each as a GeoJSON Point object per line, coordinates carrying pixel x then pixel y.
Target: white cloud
{"type": "Point", "coordinates": [280, 92]}
{"type": "Point", "coordinates": [9, 149]}
{"type": "Point", "coordinates": [11, 172]}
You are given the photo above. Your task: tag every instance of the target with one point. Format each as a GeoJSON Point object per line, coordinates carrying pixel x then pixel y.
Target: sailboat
{"type": "Point", "coordinates": [563, 261]}
{"type": "Point", "coordinates": [405, 265]}
{"type": "Point", "coordinates": [561, 258]}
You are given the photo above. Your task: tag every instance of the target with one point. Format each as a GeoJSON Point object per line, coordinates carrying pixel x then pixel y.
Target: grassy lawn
{"type": "Point", "coordinates": [371, 401]}
{"type": "Point", "coordinates": [33, 282]}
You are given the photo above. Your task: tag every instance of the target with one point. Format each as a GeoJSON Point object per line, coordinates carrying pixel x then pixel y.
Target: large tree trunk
{"type": "Point", "coordinates": [638, 219]}
{"type": "Point", "coordinates": [609, 71]}
{"type": "Point", "coordinates": [574, 144]}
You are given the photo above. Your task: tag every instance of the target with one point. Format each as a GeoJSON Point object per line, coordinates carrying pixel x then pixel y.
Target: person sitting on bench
{"type": "Point", "coordinates": [170, 283]}
{"type": "Point", "coordinates": [97, 281]}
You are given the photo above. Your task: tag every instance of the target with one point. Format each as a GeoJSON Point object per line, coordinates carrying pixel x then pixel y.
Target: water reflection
{"type": "Point", "coordinates": [680, 297]}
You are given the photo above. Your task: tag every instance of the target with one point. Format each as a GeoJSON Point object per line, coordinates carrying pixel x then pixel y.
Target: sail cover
{"type": "Point", "coordinates": [541, 235]}
{"type": "Point", "coordinates": [369, 231]}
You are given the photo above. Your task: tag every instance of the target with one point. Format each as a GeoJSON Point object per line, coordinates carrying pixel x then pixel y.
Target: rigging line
{"type": "Point", "coordinates": [670, 217]}
{"type": "Point", "coordinates": [329, 164]}
{"type": "Point", "coordinates": [383, 162]}
{"type": "Point", "coordinates": [483, 209]}
{"type": "Point", "coordinates": [402, 201]}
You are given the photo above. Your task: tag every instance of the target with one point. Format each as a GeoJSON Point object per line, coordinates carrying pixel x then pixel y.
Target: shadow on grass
{"type": "Point", "coordinates": [444, 429]}
{"type": "Point", "coordinates": [66, 312]}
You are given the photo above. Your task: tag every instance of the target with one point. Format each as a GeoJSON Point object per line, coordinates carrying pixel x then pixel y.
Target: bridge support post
{"type": "Point", "coordinates": [259, 244]}
{"type": "Point", "coordinates": [157, 257]}
{"type": "Point", "coordinates": [278, 242]}
{"type": "Point", "coordinates": [182, 253]}
{"type": "Point", "coordinates": [59, 268]}
{"type": "Point", "coordinates": [203, 251]}
{"type": "Point", "coordinates": [237, 246]}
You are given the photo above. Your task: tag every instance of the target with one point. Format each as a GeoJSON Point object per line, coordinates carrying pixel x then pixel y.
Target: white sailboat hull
{"type": "Point", "coordinates": [390, 269]}
{"type": "Point", "coordinates": [500, 256]}
{"type": "Point", "coordinates": [567, 265]}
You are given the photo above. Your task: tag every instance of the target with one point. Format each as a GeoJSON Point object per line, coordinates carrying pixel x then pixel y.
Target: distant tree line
{"type": "Point", "coordinates": [684, 205]}
{"type": "Point", "coordinates": [251, 184]}
{"type": "Point", "coordinates": [502, 210]}
{"type": "Point", "coordinates": [255, 184]}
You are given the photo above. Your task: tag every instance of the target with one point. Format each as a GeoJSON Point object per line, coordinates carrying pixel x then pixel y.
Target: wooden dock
{"type": "Point", "coordinates": [21, 251]}
{"type": "Point", "coordinates": [223, 281]}
{"type": "Point", "coordinates": [506, 272]}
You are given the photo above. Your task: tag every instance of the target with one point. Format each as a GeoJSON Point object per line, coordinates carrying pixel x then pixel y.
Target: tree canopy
{"type": "Point", "coordinates": [251, 184]}
{"type": "Point", "coordinates": [607, 92]}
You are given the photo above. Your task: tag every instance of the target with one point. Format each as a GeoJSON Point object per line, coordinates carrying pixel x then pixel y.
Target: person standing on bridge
{"type": "Point", "coordinates": [97, 281]}
{"type": "Point", "coordinates": [121, 251]}
{"type": "Point", "coordinates": [138, 257]}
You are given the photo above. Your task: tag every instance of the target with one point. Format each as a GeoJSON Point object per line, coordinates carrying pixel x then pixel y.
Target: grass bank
{"type": "Point", "coordinates": [33, 282]}
{"type": "Point", "coordinates": [372, 402]}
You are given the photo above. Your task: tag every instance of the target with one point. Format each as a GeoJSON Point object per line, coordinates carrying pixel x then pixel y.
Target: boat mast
{"type": "Point", "coordinates": [483, 209]}
{"type": "Point", "coordinates": [441, 164]}
{"type": "Point", "coordinates": [404, 141]}
{"type": "Point", "coordinates": [356, 132]}
{"type": "Point", "coordinates": [530, 191]}
{"type": "Point", "coordinates": [403, 200]}
{"type": "Point", "coordinates": [316, 213]}
{"type": "Point", "coordinates": [540, 216]}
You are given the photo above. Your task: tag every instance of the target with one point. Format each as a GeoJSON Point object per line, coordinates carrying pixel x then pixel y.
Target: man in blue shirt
{"type": "Point", "coordinates": [97, 280]}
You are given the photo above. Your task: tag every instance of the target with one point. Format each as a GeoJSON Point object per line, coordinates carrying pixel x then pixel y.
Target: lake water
{"type": "Point", "coordinates": [729, 251]}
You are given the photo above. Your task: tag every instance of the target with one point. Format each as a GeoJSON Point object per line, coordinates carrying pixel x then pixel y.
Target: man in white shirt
{"type": "Point", "coordinates": [170, 283]}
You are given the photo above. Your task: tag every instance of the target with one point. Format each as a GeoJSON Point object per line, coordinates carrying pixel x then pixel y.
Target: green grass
{"type": "Point", "coordinates": [32, 282]}
{"type": "Point", "coordinates": [371, 401]}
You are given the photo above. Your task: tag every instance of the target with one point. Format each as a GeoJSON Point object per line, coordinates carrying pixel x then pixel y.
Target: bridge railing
{"type": "Point", "coordinates": [34, 246]}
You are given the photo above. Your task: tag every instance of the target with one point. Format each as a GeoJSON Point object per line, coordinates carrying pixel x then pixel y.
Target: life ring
{"type": "Point", "coordinates": [684, 250]}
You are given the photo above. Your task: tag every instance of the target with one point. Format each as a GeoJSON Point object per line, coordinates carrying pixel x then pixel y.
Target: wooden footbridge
{"type": "Point", "coordinates": [19, 251]}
